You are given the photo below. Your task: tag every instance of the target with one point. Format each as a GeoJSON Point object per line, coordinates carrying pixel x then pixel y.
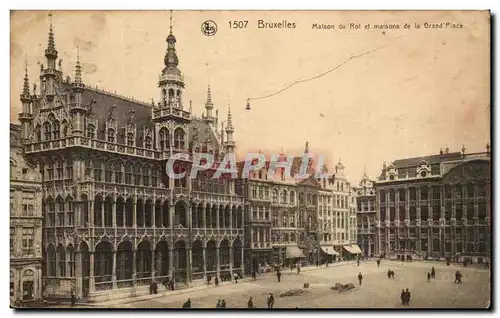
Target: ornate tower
{"type": "Point", "coordinates": [170, 117]}
{"type": "Point", "coordinates": [77, 109]}
{"type": "Point", "coordinates": [26, 116]}
{"type": "Point", "coordinates": [171, 81]}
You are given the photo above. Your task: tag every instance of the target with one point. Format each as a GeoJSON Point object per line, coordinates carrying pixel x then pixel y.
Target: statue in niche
{"type": "Point", "coordinates": [131, 117]}
{"type": "Point", "coordinates": [111, 115]}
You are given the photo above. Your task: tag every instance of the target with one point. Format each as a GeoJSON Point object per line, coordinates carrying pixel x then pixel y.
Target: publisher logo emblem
{"type": "Point", "coordinates": [209, 28]}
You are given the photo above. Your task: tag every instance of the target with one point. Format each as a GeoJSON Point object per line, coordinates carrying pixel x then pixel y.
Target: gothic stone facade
{"type": "Point", "coordinates": [113, 222]}
{"type": "Point", "coordinates": [435, 207]}
{"type": "Point", "coordinates": [25, 224]}
{"type": "Point", "coordinates": [366, 216]}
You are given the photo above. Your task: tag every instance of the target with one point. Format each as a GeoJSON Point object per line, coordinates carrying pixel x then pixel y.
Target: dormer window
{"type": "Point", "coordinates": [179, 138]}
{"type": "Point", "coordinates": [148, 142]}
{"type": "Point", "coordinates": [91, 131]}
{"type": "Point", "coordinates": [48, 132]}
{"type": "Point", "coordinates": [130, 139]}
{"type": "Point", "coordinates": [111, 135]}
{"type": "Point", "coordinates": [164, 139]}
{"type": "Point", "coordinates": [56, 129]}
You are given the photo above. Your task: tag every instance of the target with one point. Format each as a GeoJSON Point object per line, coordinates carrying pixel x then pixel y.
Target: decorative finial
{"type": "Point", "coordinates": [78, 69]}
{"type": "Point", "coordinates": [384, 166]}
{"type": "Point", "coordinates": [229, 118]}
{"type": "Point", "coordinates": [364, 172]}
{"type": "Point", "coordinates": [26, 83]}
{"type": "Point", "coordinates": [190, 105]}
{"type": "Point", "coordinates": [248, 104]}
{"type": "Point", "coordinates": [488, 147]}
{"type": "Point", "coordinates": [170, 21]}
{"type": "Point", "coordinates": [463, 149]}
{"type": "Point", "coordinates": [51, 46]}
{"type": "Point", "coordinates": [306, 150]}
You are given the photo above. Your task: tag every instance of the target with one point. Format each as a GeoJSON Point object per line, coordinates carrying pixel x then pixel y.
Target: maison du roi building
{"type": "Point", "coordinates": [437, 207]}
{"type": "Point", "coordinates": [112, 222]}
{"type": "Point", "coordinates": [25, 224]}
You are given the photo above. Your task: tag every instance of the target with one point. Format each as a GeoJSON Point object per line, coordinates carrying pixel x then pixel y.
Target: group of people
{"type": "Point", "coordinates": [405, 297]}
{"type": "Point", "coordinates": [209, 280]}
{"type": "Point", "coordinates": [270, 301]}
{"type": "Point", "coordinates": [221, 303]}
{"type": "Point", "coordinates": [390, 274]}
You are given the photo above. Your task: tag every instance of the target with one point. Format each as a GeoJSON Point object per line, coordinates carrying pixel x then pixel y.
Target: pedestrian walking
{"type": "Point", "coordinates": [298, 268]}
{"type": "Point", "coordinates": [209, 279]}
{"type": "Point", "coordinates": [218, 304]}
{"type": "Point", "coordinates": [216, 281]}
{"type": "Point", "coordinates": [389, 273]}
{"type": "Point", "coordinates": [358, 262]}
{"type": "Point", "coordinates": [73, 297]}
{"type": "Point", "coordinates": [428, 277]}
{"type": "Point", "coordinates": [270, 300]}
{"type": "Point", "coordinates": [360, 278]}
{"type": "Point", "coordinates": [403, 297]}
{"type": "Point", "coordinates": [378, 263]}
{"type": "Point", "coordinates": [433, 272]}
{"type": "Point", "coordinates": [408, 297]}
{"type": "Point", "coordinates": [458, 278]}
{"type": "Point", "coordinates": [392, 274]}
{"type": "Point", "coordinates": [278, 275]}
{"type": "Point", "coordinates": [235, 276]}
{"type": "Point", "coordinates": [250, 303]}
{"type": "Point", "coordinates": [223, 304]}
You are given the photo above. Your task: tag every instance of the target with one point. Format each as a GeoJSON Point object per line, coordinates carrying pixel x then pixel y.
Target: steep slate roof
{"type": "Point", "coordinates": [105, 100]}
{"type": "Point", "coordinates": [412, 162]}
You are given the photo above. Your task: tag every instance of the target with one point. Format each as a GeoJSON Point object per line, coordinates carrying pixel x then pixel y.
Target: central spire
{"type": "Point", "coordinates": [171, 60]}
{"type": "Point", "coordinates": [26, 82]}
{"type": "Point", "coordinates": [78, 68]}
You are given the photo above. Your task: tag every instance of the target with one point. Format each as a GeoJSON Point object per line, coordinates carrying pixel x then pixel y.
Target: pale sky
{"type": "Point", "coordinates": [424, 90]}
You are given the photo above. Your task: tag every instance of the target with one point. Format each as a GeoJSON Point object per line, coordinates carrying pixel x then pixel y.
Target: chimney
{"type": "Point", "coordinates": [441, 151]}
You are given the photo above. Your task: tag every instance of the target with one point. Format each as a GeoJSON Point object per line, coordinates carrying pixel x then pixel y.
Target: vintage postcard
{"type": "Point", "coordinates": [250, 159]}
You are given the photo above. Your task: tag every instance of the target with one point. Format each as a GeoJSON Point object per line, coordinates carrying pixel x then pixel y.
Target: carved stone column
{"type": "Point", "coordinates": [113, 273]}
{"type": "Point", "coordinates": [91, 278]}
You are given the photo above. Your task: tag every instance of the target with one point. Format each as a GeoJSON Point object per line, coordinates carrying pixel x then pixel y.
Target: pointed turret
{"type": "Point", "coordinates": [306, 148]}
{"type": "Point", "coordinates": [51, 52]}
{"type": "Point", "coordinates": [26, 117]}
{"type": "Point", "coordinates": [25, 96]}
{"type": "Point", "coordinates": [229, 132]}
{"type": "Point", "coordinates": [78, 69]}
{"type": "Point", "coordinates": [209, 105]}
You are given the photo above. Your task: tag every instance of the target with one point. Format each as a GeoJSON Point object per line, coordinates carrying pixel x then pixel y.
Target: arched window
{"type": "Point", "coordinates": [117, 168]}
{"type": "Point", "coordinates": [164, 139]}
{"type": "Point", "coordinates": [137, 175]}
{"type": "Point", "coordinates": [179, 138]}
{"type": "Point", "coordinates": [111, 135]}
{"type": "Point", "coordinates": [97, 170]}
{"type": "Point", "coordinates": [171, 94]}
{"type": "Point", "coordinates": [91, 131]}
{"type": "Point", "coordinates": [56, 129]}
{"type": "Point", "coordinates": [48, 131]}
{"type": "Point", "coordinates": [148, 142]}
{"type": "Point", "coordinates": [128, 174]}
{"type": "Point", "coordinates": [146, 172]}
{"type": "Point", "coordinates": [38, 133]}
{"type": "Point", "coordinates": [59, 169]}
{"type": "Point", "coordinates": [275, 195]}
{"type": "Point", "coordinates": [283, 196]}
{"type": "Point", "coordinates": [130, 139]}
{"type": "Point", "coordinates": [292, 197]}
{"type": "Point", "coordinates": [108, 171]}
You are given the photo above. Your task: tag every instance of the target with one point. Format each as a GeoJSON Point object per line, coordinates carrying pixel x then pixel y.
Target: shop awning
{"type": "Point", "coordinates": [348, 248]}
{"type": "Point", "coordinates": [294, 252]}
{"type": "Point", "coordinates": [356, 249]}
{"type": "Point", "coordinates": [328, 249]}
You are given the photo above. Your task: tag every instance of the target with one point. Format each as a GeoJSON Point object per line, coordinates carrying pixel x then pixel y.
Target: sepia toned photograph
{"type": "Point", "coordinates": [206, 159]}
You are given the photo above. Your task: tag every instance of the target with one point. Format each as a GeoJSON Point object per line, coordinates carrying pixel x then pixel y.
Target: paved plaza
{"type": "Point", "coordinates": [377, 291]}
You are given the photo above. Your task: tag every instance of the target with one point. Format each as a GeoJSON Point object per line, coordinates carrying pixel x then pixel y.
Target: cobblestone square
{"type": "Point", "coordinates": [377, 291]}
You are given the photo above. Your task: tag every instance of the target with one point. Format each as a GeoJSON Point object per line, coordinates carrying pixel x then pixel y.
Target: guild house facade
{"type": "Point", "coordinates": [366, 216]}
{"type": "Point", "coordinates": [113, 221]}
{"type": "Point", "coordinates": [436, 207]}
{"type": "Point", "coordinates": [25, 224]}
